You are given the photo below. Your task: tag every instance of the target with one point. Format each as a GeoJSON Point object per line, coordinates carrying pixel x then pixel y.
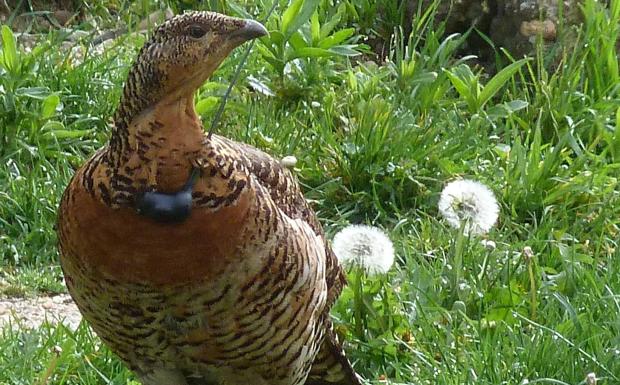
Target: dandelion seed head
{"type": "Point", "coordinates": [489, 244]}
{"type": "Point", "coordinates": [288, 161]}
{"type": "Point", "coordinates": [591, 379]}
{"type": "Point", "coordinates": [469, 203]}
{"type": "Point", "coordinates": [365, 246]}
{"type": "Point", "coordinates": [528, 253]}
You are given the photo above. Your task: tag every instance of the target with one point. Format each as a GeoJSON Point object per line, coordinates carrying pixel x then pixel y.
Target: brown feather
{"type": "Point", "coordinates": [237, 293]}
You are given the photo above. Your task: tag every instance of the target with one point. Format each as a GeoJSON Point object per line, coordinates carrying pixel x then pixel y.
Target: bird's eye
{"type": "Point", "coordinates": [196, 31]}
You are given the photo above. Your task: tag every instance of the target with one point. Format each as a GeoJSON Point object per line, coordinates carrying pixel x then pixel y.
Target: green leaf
{"type": "Point", "coordinates": [315, 28]}
{"type": "Point", "coordinates": [290, 14]}
{"type": "Point", "coordinates": [9, 50]}
{"type": "Point", "coordinates": [498, 81]}
{"type": "Point", "coordinates": [49, 105]}
{"type": "Point", "coordinates": [33, 92]}
{"type": "Point", "coordinates": [53, 125]}
{"type": "Point", "coordinates": [459, 85]}
{"type": "Point", "coordinates": [206, 105]}
{"type": "Point", "coordinates": [516, 105]}
{"type": "Point", "coordinates": [329, 26]}
{"type": "Point", "coordinates": [311, 52]}
{"type": "Point", "coordinates": [297, 14]}
{"type": "Point", "coordinates": [267, 54]}
{"type": "Point", "coordinates": [297, 41]}
{"type": "Point", "coordinates": [66, 134]}
{"type": "Point", "coordinates": [344, 50]}
{"type": "Point", "coordinates": [276, 37]}
{"type": "Point", "coordinates": [336, 38]}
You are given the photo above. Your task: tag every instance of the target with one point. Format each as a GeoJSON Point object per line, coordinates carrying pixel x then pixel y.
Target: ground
{"type": "Point", "coordinates": [33, 312]}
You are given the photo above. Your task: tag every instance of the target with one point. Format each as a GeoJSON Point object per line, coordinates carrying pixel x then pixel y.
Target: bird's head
{"type": "Point", "coordinates": [181, 54]}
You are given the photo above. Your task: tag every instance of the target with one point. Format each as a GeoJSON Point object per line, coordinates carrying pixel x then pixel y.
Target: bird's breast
{"type": "Point", "coordinates": [121, 244]}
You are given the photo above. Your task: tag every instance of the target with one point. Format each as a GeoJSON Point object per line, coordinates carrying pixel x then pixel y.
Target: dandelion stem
{"type": "Point", "coordinates": [459, 245]}
{"type": "Point", "coordinates": [533, 300]}
{"type": "Point", "coordinates": [358, 303]}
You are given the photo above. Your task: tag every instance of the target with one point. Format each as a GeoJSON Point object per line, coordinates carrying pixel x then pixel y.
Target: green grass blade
{"type": "Point", "coordinates": [497, 82]}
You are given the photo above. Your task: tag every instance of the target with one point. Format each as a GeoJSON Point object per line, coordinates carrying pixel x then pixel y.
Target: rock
{"type": "Point", "coordinates": [545, 28]}
{"type": "Point", "coordinates": [518, 23]}
{"type": "Point", "coordinates": [48, 304]}
{"type": "Point", "coordinates": [459, 15]}
{"type": "Point", "coordinates": [5, 11]}
{"type": "Point", "coordinates": [511, 24]}
{"type": "Point", "coordinates": [63, 16]}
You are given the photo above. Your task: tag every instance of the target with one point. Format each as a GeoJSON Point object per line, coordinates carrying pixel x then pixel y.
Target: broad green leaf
{"type": "Point", "coordinates": [425, 78]}
{"type": "Point", "coordinates": [344, 50]}
{"type": "Point", "coordinates": [240, 11]}
{"type": "Point", "coordinates": [66, 134]}
{"type": "Point", "coordinates": [297, 41]}
{"type": "Point", "coordinates": [336, 38]}
{"type": "Point", "coordinates": [49, 105]}
{"type": "Point", "coordinates": [329, 26]}
{"type": "Point", "coordinates": [53, 125]}
{"type": "Point", "coordinates": [9, 50]}
{"type": "Point", "coordinates": [311, 52]}
{"type": "Point", "coordinates": [301, 14]}
{"type": "Point", "coordinates": [612, 65]}
{"type": "Point", "coordinates": [459, 85]}
{"type": "Point", "coordinates": [516, 105]}
{"type": "Point", "coordinates": [206, 105]}
{"type": "Point", "coordinates": [266, 52]}
{"type": "Point", "coordinates": [33, 92]}
{"type": "Point", "coordinates": [315, 28]}
{"type": "Point", "coordinates": [290, 14]}
{"type": "Point", "coordinates": [275, 63]}
{"type": "Point", "coordinates": [498, 111]}
{"type": "Point", "coordinates": [498, 81]}
{"type": "Point", "coordinates": [276, 37]}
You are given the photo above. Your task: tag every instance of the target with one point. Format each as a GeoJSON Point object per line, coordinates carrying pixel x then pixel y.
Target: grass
{"type": "Point", "coordinates": [376, 142]}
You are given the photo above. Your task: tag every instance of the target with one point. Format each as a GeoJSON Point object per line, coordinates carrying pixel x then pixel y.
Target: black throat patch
{"type": "Point", "coordinates": [168, 207]}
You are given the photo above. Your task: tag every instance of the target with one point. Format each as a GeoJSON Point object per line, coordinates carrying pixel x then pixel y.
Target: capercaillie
{"type": "Point", "coordinates": [195, 258]}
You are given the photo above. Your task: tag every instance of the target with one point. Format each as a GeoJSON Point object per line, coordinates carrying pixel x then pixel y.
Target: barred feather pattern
{"type": "Point", "coordinates": [239, 292]}
{"type": "Point", "coordinates": [265, 324]}
{"type": "Point", "coordinates": [262, 315]}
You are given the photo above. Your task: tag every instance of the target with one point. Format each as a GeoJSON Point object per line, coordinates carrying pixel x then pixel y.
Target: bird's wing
{"type": "Point", "coordinates": [287, 195]}
{"type": "Point", "coordinates": [331, 366]}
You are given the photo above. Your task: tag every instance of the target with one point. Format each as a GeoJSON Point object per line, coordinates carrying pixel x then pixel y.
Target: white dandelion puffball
{"type": "Point", "coordinates": [288, 161]}
{"type": "Point", "coordinates": [365, 246]}
{"type": "Point", "coordinates": [469, 203]}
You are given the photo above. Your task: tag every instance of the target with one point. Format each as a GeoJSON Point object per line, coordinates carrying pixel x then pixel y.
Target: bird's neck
{"type": "Point", "coordinates": [171, 123]}
{"type": "Point", "coordinates": [142, 90]}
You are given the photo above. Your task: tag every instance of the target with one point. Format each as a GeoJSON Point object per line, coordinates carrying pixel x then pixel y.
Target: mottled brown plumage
{"type": "Point", "coordinates": [237, 293]}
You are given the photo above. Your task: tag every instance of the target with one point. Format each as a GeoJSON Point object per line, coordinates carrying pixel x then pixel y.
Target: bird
{"type": "Point", "coordinates": [196, 259]}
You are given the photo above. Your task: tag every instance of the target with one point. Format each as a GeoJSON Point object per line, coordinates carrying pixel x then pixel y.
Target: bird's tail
{"type": "Point", "coordinates": [331, 366]}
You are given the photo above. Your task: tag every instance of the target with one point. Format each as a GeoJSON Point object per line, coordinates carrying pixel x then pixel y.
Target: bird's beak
{"type": "Point", "coordinates": [250, 30]}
